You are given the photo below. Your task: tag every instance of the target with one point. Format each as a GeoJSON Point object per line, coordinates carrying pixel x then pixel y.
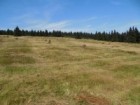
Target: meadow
{"type": "Point", "coordinates": [68, 71]}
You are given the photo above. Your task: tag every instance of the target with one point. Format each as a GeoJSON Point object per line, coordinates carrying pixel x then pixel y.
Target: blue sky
{"type": "Point", "coordinates": [70, 15]}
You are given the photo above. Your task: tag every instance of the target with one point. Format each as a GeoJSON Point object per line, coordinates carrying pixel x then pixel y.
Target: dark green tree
{"type": "Point", "coordinates": [131, 35]}
{"type": "Point", "coordinates": [137, 35]}
{"type": "Point", "coordinates": [17, 31]}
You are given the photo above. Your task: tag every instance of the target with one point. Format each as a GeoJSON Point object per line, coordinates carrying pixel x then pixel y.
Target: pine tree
{"type": "Point", "coordinates": [131, 36]}
{"type": "Point", "coordinates": [137, 35]}
{"type": "Point", "coordinates": [17, 31]}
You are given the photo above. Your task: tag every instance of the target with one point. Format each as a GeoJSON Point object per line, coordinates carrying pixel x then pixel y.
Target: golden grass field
{"type": "Point", "coordinates": [68, 71]}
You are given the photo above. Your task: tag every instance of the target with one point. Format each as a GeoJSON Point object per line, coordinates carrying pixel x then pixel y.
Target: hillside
{"type": "Point", "coordinates": [68, 71]}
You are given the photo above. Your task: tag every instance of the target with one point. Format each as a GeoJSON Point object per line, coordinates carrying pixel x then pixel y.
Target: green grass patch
{"type": "Point", "coordinates": [16, 54]}
{"type": "Point", "coordinates": [11, 96]}
{"type": "Point", "coordinates": [71, 84]}
{"type": "Point", "coordinates": [133, 97]}
{"type": "Point", "coordinates": [19, 59]}
{"type": "Point", "coordinates": [3, 83]}
{"type": "Point", "coordinates": [20, 49]}
{"type": "Point", "coordinates": [127, 70]}
{"type": "Point", "coordinates": [101, 63]}
{"type": "Point", "coordinates": [18, 69]}
{"type": "Point", "coordinates": [127, 52]}
{"type": "Point", "coordinates": [60, 56]}
{"type": "Point", "coordinates": [15, 50]}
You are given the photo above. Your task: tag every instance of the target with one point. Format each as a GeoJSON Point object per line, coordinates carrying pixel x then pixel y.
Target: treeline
{"type": "Point", "coordinates": [132, 35]}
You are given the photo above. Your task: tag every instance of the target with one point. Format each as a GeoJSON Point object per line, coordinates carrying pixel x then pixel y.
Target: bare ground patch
{"type": "Point", "coordinates": [85, 98]}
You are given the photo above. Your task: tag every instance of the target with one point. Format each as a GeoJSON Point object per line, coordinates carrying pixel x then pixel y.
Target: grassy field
{"type": "Point", "coordinates": [68, 71]}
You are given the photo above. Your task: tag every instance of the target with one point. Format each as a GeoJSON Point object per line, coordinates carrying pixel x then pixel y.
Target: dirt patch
{"type": "Point", "coordinates": [88, 99]}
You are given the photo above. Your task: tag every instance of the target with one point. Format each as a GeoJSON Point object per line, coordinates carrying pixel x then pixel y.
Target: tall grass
{"type": "Point", "coordinates": [33, 72]}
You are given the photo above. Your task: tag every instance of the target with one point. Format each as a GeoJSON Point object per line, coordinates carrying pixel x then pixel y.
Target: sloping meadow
{"type": "Point", "coordinates": [67, 71]}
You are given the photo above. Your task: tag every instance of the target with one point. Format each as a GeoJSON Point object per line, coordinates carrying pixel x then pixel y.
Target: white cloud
{"type": "Point", "coordinates": [34, 18]}
{"type": "Point", "coordinates": [49, 25]}
{"type": "Point", "coordinates": [90, 24]}
{"type": "Point", "coordinates": [58, 25]}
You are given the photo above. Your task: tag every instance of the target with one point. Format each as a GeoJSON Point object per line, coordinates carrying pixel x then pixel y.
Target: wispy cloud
{"type": "Point", "coordinates": [39, 19]}
{"type": "Point", "coordinates": [85, 25]}
{"type": "Point", "coordinates": [49, 25]}
{"type": "Point", "coordinates": [30, 22]}
{"type": "Point", "coordinates": [58, 25]}
{"type": "Point", "coordinates": [33, 20]}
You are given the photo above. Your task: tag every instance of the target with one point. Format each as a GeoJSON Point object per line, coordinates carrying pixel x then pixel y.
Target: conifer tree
{"type": "Point", "coordinates": [17, 31]}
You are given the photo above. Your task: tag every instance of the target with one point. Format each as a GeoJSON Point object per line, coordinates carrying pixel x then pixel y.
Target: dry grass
{"type": "Point", "coordinates": [68, 72]}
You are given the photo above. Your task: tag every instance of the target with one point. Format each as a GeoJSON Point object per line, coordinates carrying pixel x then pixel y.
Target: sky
{"type": "Point", "coordinates": [70, 15]}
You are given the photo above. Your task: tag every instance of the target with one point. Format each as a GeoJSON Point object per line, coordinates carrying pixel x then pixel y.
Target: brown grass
{"type": "Point", "coordinates": [68, 72]}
